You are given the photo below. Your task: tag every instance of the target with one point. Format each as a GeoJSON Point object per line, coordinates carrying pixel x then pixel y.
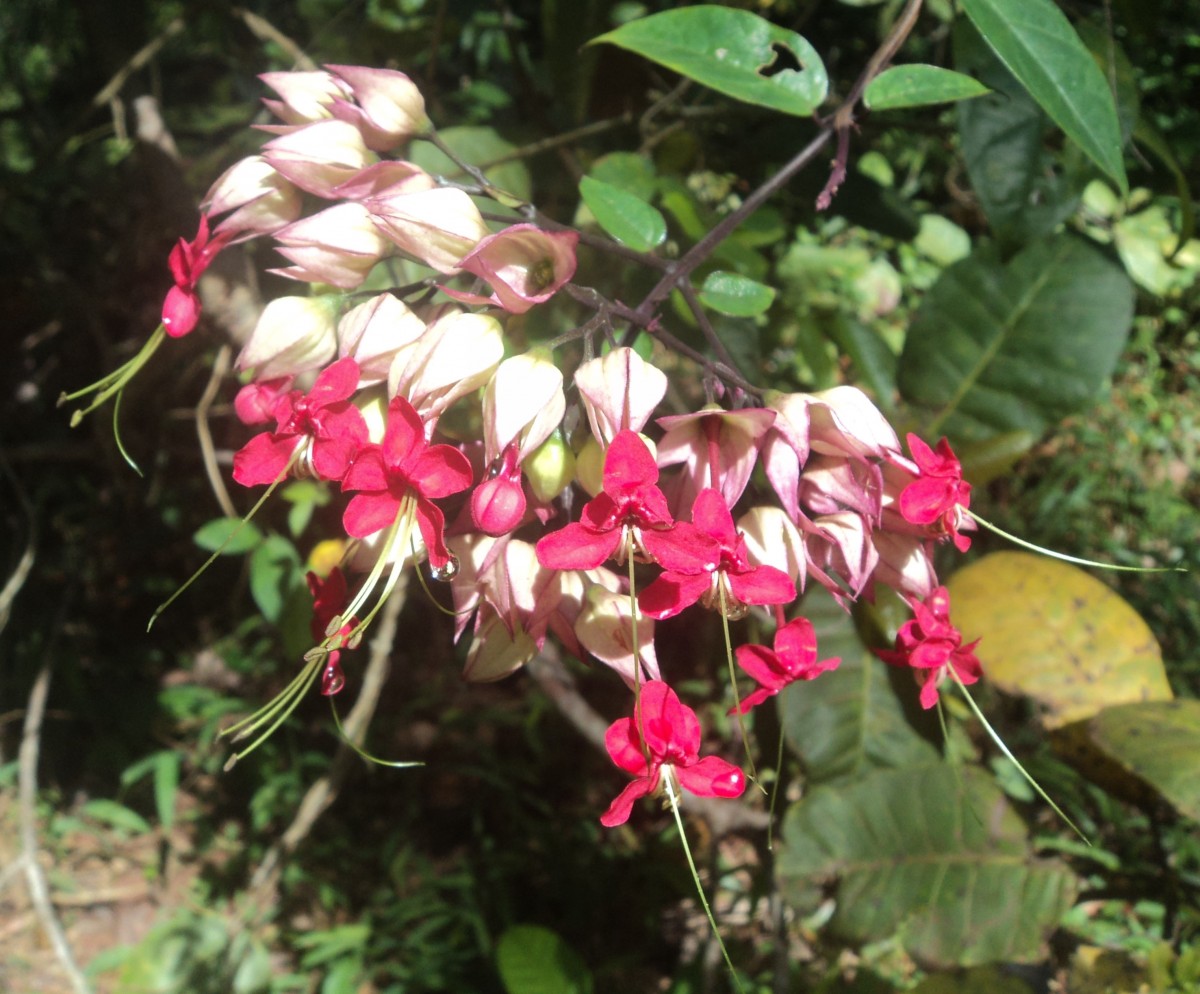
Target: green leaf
{"type": "Point", "coordinates": [630, 220]}
{"type": "Point", "coordinates": [1053, 632]}
{"type": "Point", "coordinates": [733, 52]}
{"type": "Point", "coordinates": [627, 171]}
{"type": "Point", "coordinates": [166, 787]}
{"type": "Point", "coordinates": [934, 856]}
{"type": "Point", "coordinates": [737, 296]}
{"type": "Point", "coordinates": [274, 571]}
{"type": "Point", "coordinates": [1158, 742]}
{"type": "Point", "coordinates": [535, 960]}
{"type": "Point", "coordinates": [232, 536]}
{"type": "Point", "coordinates": [1016, 347]}
{"type": "Point", "coordinates": [848, 722]}
{"type": "Point", "coordinates": [918, 85]}
{"type": "Point", "coordinates": [116, 815]}
{"type": "Point", "coordinates": [1034, 39]}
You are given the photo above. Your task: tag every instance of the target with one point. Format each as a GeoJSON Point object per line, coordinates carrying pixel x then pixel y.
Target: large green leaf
{"type": "Point", "coordinates": [733, 52]}
{"type": "Point", "coordinates": [1055, 633]}
{"type": "Point", "coordinates": [629, 219]}
{"type": "Point", "coordinates": [848, 722]}
{"type": "Point", "coordinates": [1159, 742]}
{"type": "Point", "coordinates": [1021, 185]}
{"type": "Point", "coordinates": [932, 855]}
{"type": "Point", "coordinates": [918, 85]}
{"type": "Point", "coordinates": [1034, 39]}
{"type": "Point", "coordinates": [1016, 347]}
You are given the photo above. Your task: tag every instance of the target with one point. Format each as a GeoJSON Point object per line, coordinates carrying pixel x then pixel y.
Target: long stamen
{"type": "Point", "coordinates": [737, 701]}
{"type": "Point", "coordinates": [113, 383]}
{"type": "Point", "coordinates": [280, 709]}
{"type": "Point", "coordinates": [401, 528]}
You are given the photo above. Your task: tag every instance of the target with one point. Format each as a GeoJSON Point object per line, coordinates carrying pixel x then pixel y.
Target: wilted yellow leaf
{"type": "Point", "coordinates": [1056, 634]}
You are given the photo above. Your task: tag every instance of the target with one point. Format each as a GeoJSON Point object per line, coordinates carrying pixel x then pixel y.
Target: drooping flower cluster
{"type": "Point", "coordinates": [357, 386]}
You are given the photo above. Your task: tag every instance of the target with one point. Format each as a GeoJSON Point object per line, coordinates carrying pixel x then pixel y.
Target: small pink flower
{"type": "Point", "coordinates": [929, 642]}
{"type": "Point", "coordinates": [404, 467]}
{"type": "Point", "coordinates": [255, 403]}
{"type": "Point", "coordinates": [712, 567]}
{"type": "Point", "coordinates": [188, 260]}
{"type": "Point", "coordinates": [939, 495]}
{"type": "Point", "coordinates": [498, 503]}
{"type": "Point", "coordinates": [630, 506]}
{"type": "Point", "coordinates": [323, 419]}
{"type": "Point", "coordinates": [664, 734]}
{"type": "Point", "coordinates": [794, 658]}
{"type": "Point", "coordinates": [523, 264]}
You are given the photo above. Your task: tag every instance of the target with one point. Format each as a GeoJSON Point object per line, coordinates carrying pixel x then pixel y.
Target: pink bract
{"type": "Point", "coordinates": [523, 265]}
{"type": "Point", "coordinates": [664, 732]}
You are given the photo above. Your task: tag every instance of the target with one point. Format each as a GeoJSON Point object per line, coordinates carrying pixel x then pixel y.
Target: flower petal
{"type": "Point", "coordinates": [712, 777]}
{"type": "Point", "coordinates": [264, 458]}
{"type": "Point", "coordinates": [671, 593]}
{"type": "Point", "coordinates": [576, 547]}
{"type": "Point", "coordinates": [618, 812]}
{"type": "Point", "coordinates": [368, 513]}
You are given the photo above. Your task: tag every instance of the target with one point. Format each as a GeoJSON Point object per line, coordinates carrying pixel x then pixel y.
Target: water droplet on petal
{"type": "Point", "coordinates": [447, 571]}
{"type": "Point", "coordinates": [333, 679]}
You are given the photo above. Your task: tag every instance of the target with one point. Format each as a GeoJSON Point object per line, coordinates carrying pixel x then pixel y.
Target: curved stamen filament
{"type": "Point", "coordinates": [737, 701]}
{"type": "Point", "coordinates": [116, 381]}
{"type": "Point", "coordinates": [278, 711]}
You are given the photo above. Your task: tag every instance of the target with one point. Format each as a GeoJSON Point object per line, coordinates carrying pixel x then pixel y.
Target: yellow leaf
{"type": "Point", "coordinates": [1056, 634]}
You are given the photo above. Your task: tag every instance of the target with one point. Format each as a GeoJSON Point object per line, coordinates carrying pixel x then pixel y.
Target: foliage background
{"type": "Point", "coordinates": [409, 880]}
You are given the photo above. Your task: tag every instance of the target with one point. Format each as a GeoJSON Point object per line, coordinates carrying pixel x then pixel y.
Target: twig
{"type": "Point", "coordinates": [324, 791]}
{"type": "Point", "coordinates": [706, 328]}
{"type": "Point", "coordinates": [143, 55]}
{"type": "Point", "coordinates": [207, 451]}
{"type": "Point", "coordinates": [39, 891]}
{"type": "Point", "coordinates": [264, 30]}
{"type": "Point", "coordinates": [557, 141]}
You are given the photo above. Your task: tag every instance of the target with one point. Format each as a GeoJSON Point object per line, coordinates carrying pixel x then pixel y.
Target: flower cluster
{"type": "Point", "coordinates": [356, 386]}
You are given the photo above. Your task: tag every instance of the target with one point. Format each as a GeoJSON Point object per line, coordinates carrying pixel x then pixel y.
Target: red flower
{"type": "Point", "coordinates": [405, 467]}
{"type": "Point", "coordinates": [329, 601]}
{"type": "Point", "coordinates": [630, 500]}
{"type": "Point", "coordinates": [668, 732]}
{"type": "Point", "coordinates": [794, 658]}
{"type": "Point", "coordinates": [939, 495]}
{"type": "Point", "coordinates": [929, 642]}
{"type": "Point", "coordinates": [710, 556]}
{"type": "Point", "coordinates": [188, 260]}
{"type": "Point", "coordinates": [324, 420]}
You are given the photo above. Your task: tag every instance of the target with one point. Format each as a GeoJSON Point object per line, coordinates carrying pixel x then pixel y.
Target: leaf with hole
{"type": "Point", "coordinates": [629, 219]}
{"type": "Point", "coordinates": [919, 85]}
{"type": "Point", "coordinates": [733, 52]}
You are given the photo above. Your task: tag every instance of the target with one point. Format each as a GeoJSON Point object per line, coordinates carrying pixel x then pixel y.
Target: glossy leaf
{"type": "Point", "coordinates": [629, 220]}
{"type": "Point", "coordinates": [627, 171]}
{"type": "Point", "coordinates": [1053, 632]}
{"type": "Point", "coordinates": [1034, 39]}
{"type": "Point", "coordinates": [737, 296]}
{"type": "Point", "coordinates": [933, 856]}
{"type": "Point", "coordinates": [535, 960]}
{"type": "Point", "coordinates": [1016, 347]}
{"type": "Point", "coordinates": [849, 722]}
{"type": "Point", "coordinates": [733, 52]}
{"type": "Point", "coordinates": [919, 85]}
{"type": "Point", "coordinates": [1158, 742]}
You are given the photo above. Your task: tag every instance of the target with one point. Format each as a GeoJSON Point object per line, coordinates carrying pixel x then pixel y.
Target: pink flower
{"type": "Point", "coordinates": [712, 567]}
{"type": "Point", "coordinates": [929, 642]}
{"type": "Point", "coordinates": [522, 264]}
{"type": "Point", "coordinates": [717, 447]}
{"type": "Point", "coordinates": [629, 508]}
{"type": "Point", "coordinates": [324, 420]}
{"type": "Point", "coordinates": [794, 658]}
{"type": "Point", "coordinates": [404, 469]}
{"type": "Point", "coordinates": [939, 495]}
{"type": "Point", "coordinates": [664, 734]}
{"type": "Point", "coordinates": [329, 601]}
{"type": "Point", "coordinates": [188, 260]}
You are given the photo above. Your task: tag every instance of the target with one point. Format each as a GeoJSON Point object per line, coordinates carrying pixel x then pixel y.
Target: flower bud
{"type": "Point", "coordinates": [436, 227]}
{"type": "Point", "coordinates": [255, 402]}
{"type": "Point", "coordinates": [293, 335]}
{"type": "Point", "coordinates": [498, 505]}
{"type": "Point", "coordinates": [589, 467]}
{"type": "Point", "coordinates": [550, 468]}
{"type": "Point", "coordinates": [455, 356]}
{"type": "Point", "coordinates": [619, 391]}
{"type": "Point", "coordinates": [339, 246]}
{"type": "Point", "coordinates": [523, 402]}
{"type": "Point", "coordinates": [374, 332]}
{"type": "Point", "coordinates": [319, 157]}
{"type": "Point", "coordinates": [261, 200]}
{"type": "Point", "coordinates": [307, 96]}
{"type": "Point", "coordinates": [390, 107]}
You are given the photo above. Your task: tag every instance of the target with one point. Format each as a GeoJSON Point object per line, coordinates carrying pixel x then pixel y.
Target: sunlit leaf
{"type": "Point", "coordinates": [1053, 632]}
{"type": "Point", "coordinates": [1034, 39]}
{"type": "Point", "coordinates": [918, 85]}
{"type": "Point", "coordinates": [737, 296]}
{"type": "Point", "coordinates": [934, 856]}
{"type": "Point", "coordinates": [733, 52]}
